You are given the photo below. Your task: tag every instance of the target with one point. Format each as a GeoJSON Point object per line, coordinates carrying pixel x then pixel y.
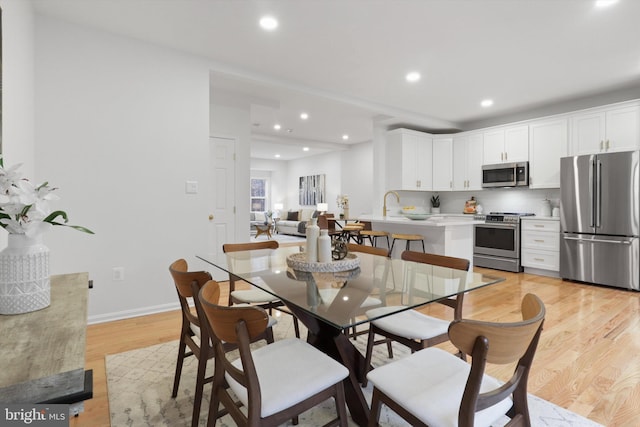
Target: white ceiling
{"type": "Point", "coordinates": [344, 62]}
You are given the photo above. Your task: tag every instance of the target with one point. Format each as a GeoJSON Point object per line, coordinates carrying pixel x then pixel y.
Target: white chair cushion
{"type": "Point", "coordinates": [289, 371]}
{"type": "Point", "coordinates": [409, 323]}
{"type": "Point", "coordinates": [429, 384]}
{"type": "Point", "coordinates": [253, 296]}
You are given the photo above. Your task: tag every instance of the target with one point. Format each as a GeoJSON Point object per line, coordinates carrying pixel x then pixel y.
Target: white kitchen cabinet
{"type": "Point", "coordinates": [506, 145]}
{"type": "Point", "coordinates": [409, 160]}
{"type": "Point", "coordinates": [548, 142]}
{"type": "Point", "coordinates": [467, 162]}
{"type": "Point", "coordinates": [442, 164]}
{"type": "Point", "coordinates": [540, 245]}
{"type": "Point", "coordinates": [606, 130]}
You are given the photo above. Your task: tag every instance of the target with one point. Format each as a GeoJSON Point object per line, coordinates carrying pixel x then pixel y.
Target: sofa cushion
{"type": "Point", "coordinates": [260, 216]}
{"type": "Point", "coordinates": [305, 214]}
{"type": "Point", "coordinates": [292, 216]}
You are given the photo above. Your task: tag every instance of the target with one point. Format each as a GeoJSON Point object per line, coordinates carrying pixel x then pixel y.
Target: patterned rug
{"type": "Point", "coordinates": [140, 383]}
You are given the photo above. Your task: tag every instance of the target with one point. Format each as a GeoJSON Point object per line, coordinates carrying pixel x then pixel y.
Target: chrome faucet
{"type": "Point", "coordinates": [384, 204]}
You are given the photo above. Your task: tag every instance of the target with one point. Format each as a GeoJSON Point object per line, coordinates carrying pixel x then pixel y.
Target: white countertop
{"type": "Point", "coordinates": [433, 220]}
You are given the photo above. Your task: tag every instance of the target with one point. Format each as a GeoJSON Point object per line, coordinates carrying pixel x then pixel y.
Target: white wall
{"type": "Point", "coordinates": [18, 110]}
{"type": "Point", "coordinates": [120, 126]}
{"type": "Point", "coordinates": [347, 172]}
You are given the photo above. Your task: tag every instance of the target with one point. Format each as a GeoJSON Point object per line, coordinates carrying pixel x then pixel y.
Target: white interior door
{"type": "Point", "coordinates": [222, 199]}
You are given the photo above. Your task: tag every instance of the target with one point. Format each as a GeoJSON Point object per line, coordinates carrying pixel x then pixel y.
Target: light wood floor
{"type": "Point", "coordinates": [588, 359]}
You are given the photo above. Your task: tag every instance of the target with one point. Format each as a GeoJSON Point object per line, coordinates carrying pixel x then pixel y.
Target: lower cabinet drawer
{"type": "Point", "coordinates": [546, 260]}
{"type": "Point", "coordinates": [540, 240]}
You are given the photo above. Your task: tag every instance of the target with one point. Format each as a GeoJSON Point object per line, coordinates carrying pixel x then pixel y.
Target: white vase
{"type": "Point", "coordinates": [311, 247]}
{"type": "Point", "coordinates": [24, 275]}
{"type": "Point", "coordinates": [324, 246]}
{"type": "Point", "coordinates": [435, 210]}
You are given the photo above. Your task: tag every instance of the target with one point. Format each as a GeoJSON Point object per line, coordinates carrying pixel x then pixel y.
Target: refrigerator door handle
{"type": "Point", "coordinates": [591, 191]}
{"type": "Point", "coordinates": [598, 193]}
{"type": "Point", "coordinates": [619, 242]}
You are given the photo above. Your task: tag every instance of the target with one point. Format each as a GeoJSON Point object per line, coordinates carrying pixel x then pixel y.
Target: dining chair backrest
{"type": "Point", "coordinates": [183, 279]}
{"type": "Point", "coordinates": [354, 247]}
{"type": "Point", "coordinates": [249, 246]}
{"type": "Point", "coordinates": [434, 259]}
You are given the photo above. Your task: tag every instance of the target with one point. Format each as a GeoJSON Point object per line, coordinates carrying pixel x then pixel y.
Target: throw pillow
{"type": "Point", "coordinates": [292, 216]}
{"type": "Point", "coordinates": [260, 216]}
{"type": "Point", "coordinates": [315, 214]}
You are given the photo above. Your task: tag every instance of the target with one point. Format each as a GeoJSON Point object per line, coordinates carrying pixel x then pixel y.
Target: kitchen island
{"type": "Point", "coordinates": [450, 235]}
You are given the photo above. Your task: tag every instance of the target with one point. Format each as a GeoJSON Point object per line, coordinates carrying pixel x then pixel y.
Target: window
{"type": "Point", "coordinates": [258, 200]}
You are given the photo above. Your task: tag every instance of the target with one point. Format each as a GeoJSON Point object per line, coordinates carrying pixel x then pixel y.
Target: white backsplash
{"type": "Point", "coordinates": [494, 200]}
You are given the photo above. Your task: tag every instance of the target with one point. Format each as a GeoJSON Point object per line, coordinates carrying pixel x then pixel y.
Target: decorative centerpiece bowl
{"type": "Point", "coordinates": [416, 216]}
{"type": "Point", "coordinates": [299, 262]}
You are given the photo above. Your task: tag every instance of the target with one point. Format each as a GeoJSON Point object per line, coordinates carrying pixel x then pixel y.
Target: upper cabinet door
{"type": "Point", "coordinates": [547, 144]}
{"type": "Point", "coordinates": [459, 162]}
{"type": "Point", "coordinates": [442, 164]}
{"type": "Point", "coordinates": [606, 130]}
{"type": "Point", "coordinates": [408, 160]}
{"type": "Point", "coordinates": [516, 144]}
{"type": "Point", "coordinates": [474, 162]}
{"type": "Point", "coordinates": [506, 145]}
{"type": "Point", "coordinates": [493, 147]}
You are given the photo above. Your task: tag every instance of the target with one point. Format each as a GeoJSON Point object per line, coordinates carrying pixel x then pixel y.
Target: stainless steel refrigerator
{"type": "Point", "coordinates": [599, 219]}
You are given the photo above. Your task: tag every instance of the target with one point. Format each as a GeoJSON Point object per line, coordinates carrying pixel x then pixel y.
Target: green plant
{"type": "Point", "coordinates": [435, 201]}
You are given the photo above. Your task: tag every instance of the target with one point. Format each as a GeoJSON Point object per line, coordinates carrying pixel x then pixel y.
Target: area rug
{"type": "Point", "coordinates": [140, 382]}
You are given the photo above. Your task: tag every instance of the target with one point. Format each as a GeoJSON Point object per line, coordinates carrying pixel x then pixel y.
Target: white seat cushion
{"type": "Point", "coordinates": [429, 384]}
{"type": "Point", "coordinates": [253, 296]}
{"type": "Point", "coordinates": [289, 371]}
{"type": "Point", "coordinates": [409, 323]}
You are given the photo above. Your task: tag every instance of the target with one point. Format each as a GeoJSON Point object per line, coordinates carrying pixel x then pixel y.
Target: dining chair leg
{"type": "Point", "coordinates": [197, 397]}
{"type": "Point", "coordinates": [176, 381]}
{"type": "Point", "coordinates": [368, 354]}
{"type": "Point", "coordinates": [376, 406]}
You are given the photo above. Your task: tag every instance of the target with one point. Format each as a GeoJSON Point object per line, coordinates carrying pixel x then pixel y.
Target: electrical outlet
{"type": "Point", "coordinates": [118, 273]}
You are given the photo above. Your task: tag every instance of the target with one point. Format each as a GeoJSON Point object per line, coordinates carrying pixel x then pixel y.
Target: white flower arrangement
{"type": "Point", "coordinates": [24, 207]}
{"type": "Point", "coordinates": [343, 201]}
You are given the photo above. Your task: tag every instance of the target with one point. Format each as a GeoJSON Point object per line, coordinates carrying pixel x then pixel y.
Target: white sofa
{"type": "Point", "coordinates": [287, 225]}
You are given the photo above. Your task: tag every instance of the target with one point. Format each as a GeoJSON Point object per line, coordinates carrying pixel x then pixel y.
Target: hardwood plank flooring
{"type": "Point", "coordinates": [588, 359]}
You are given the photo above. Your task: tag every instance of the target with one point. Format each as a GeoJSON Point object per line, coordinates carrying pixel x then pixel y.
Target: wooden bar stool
{"type": "Point", "coordinates": [373, 235]}
{"type": "Point", "coordinates": [409, 238]}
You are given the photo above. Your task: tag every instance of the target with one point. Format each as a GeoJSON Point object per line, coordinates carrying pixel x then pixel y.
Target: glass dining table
{"type": "Point", "coordinates": [332, 299]}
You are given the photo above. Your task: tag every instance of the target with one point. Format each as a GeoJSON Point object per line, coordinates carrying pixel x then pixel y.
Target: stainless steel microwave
{"type": "Point", "coordinates": [505, 175]}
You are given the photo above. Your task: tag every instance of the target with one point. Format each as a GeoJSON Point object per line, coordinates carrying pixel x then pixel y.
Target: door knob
{"type": "Point", "coordinates": [211, 217]}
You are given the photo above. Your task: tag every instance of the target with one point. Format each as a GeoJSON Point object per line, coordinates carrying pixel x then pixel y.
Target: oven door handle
{"type": "Point", "coordinates": [496, 225]}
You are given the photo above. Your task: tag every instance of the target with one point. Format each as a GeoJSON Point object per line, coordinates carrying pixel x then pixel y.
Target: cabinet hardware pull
{"type": "Point", "coordinates": [539, 259]}
{"type": "Point", "coordinates": [538, 240]}
{"type": "Point", "coordinates": [601, 145]}
{"type": "Point", "coordinates": [505, 156]}
{"type": "Point", "coordinates": [607, 144]}
{"type": "Point", "coordinates": [418, 183]}
{"type": "Point", "coordinates": [538, 225]}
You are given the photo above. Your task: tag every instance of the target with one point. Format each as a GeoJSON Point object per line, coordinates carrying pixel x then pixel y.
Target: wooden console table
{"type": "Point", "coordinates": [42, 353]}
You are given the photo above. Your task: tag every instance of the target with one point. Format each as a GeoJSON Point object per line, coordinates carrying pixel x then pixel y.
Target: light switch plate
{"type": "Point", "coordinates": [191, 187]}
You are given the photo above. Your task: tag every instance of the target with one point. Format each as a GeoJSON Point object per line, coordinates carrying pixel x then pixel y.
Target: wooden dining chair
{"type": "Point", "coordinates": [255, 296]}
{"type": "Point", "coordinates": [434, 388]}
{"type": "Point", "coordinates": [410, 327]}
{"type": "Point", "coordinates": [274, 383]}
{"type": "Point", "coordinates": [192, 334]}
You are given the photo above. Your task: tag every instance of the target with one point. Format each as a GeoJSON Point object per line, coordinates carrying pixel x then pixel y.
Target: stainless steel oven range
{"type": "Point", "coordinates": [496, 243]}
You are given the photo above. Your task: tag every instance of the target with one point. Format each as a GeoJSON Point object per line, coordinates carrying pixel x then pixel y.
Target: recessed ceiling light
{"type": "Point", "coordinates": [413, 76]}
{"type": "Point", "coordinates": [268, 23]}
{"type": "Point", "coordinates": [305, 149]}
{"type": "Point", "coordinates": [605, 3]}
{"type": "Point", "coordinates": [345, 136]}
{"type": "Point", "coordinates": [276, 126]}
{"type": "Point", "coordinates": [487, 103]}
{"type": "Point", "coordinates": [277, 156]}
{"type": "Point", "coordinates": [304, 116]}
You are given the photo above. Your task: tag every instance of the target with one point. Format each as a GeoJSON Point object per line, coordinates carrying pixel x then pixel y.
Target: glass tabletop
{"type": "Point", "coordinates": [341, 298]}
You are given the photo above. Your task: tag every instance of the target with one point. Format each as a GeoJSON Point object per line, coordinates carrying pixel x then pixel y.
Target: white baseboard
{"type": "Point", "coordinates": [126, 314]}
